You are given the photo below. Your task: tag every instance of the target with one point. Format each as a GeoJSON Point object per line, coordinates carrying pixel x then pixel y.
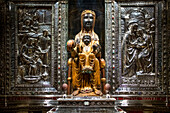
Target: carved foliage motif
{"type": "Point", "coordinates": [33, 45]}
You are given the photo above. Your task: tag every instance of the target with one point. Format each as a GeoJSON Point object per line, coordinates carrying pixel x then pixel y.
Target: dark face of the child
{"type": "Point", "coordinates": [86, 40]}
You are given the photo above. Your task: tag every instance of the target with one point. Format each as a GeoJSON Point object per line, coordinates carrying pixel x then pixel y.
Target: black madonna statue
{"type": "Point", "coordinates": [85, 64]}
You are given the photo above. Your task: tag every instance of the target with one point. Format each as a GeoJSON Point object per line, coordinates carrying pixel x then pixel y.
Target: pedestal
{"type": "Point", "coordinates": [86, 105]}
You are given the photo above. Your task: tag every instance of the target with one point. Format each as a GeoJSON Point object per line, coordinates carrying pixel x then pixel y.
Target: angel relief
{"type": "Point", "coordinates": [85, 64]}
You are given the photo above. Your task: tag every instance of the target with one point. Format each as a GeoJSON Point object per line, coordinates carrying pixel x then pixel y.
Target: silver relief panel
{"type": "Point", "coordinates": [138, 51]}
{"type": "Point", "coordinates": [32, 49]}
{"type": "Point", "coordinates": [38, 36]}
{"type": "Point", "coordinates": [33, 45]}
{"type": "Point", "coordinates": [137, 44]}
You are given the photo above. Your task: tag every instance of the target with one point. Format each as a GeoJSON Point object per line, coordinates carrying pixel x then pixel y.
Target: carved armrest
{"type": "Point", "coordinates": [69, 76]}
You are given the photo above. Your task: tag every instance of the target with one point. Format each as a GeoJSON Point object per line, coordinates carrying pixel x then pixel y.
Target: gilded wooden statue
{"type": "Point", "coordinates": [85, 65]}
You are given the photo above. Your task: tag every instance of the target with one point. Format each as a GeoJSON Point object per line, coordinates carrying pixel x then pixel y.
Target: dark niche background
{"type": "Point", "coordinates": [74, 18]}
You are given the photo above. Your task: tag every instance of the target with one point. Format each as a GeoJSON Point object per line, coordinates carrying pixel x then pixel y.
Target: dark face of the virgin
{"type": "Point", "coordinates": [88, 21]}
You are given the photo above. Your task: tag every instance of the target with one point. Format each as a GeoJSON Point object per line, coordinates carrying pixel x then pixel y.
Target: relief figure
{"type": "Point", "coordinates": [34, 47]}
{"type": "Point", "coordinates": [30, 60]}
{"type": "Point", "coordinates": [137, 44]}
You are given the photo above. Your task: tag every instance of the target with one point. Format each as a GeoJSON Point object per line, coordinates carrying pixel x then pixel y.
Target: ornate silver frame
{"type": "Point", "coordinates": [114, 34]}
{"type": "Point", "coordinates": [45, 97]}
{"type": "Point", "coordinates": [58, 32]}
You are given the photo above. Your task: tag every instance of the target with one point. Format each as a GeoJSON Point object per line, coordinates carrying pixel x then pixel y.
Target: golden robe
{"type": "Point", "coordinates": [84, 59]}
